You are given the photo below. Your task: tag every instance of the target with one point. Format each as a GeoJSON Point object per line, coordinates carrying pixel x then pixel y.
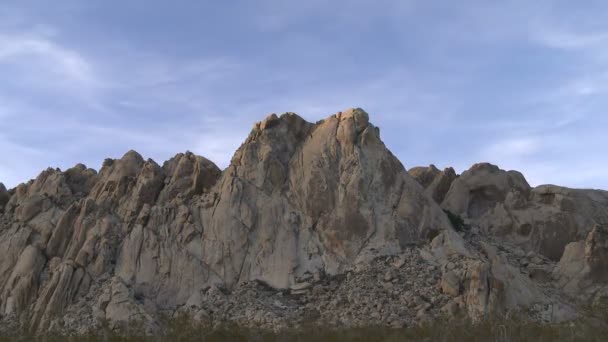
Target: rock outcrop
{"type": "Point", "coordinates": [543, 219]}
{"type": "Point", "coordinates": [309, 222]}
{"type": "Point", "coordinates": [563, 227]}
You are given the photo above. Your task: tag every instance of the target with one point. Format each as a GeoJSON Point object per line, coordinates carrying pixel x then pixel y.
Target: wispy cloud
{"type": "Point", "coordinates": [94, 117]}
{"type": "Point", "coordinates": [63, 62]}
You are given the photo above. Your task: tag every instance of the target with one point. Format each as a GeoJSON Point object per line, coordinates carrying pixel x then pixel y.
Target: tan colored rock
{"type": "Point", "coordinates": [80, 179]}
{"type": "Point", "coordinates": [148, 184]}
{"type": "Point", "coordinates": [596, 252]}
{"type": "Point", "coordinates": [122, 311]}
{"type": "Point", "coordinates": [13, 241]}
{"type": "Point", "coordinates": [32, 206]}
{"type": "Point", "coordinates": [22, 286]}
{"type": "Point", "coordinates": [116, 179]}
{"type": "Point", "coordinates": [477, 289]}
{"type": "Point", "coordinates": [479, 189]}
{"type": "Point", "coordinates": [54, 296]}
{"type": "Point", "coordinates": [435, 182]}
{"type": "Point", "coordinates": [188, 175]}
{"type": "Point", "coordinates": [62, 188]}
{"type": "Point", "coordinates": [60, 238]}
{"type": "Point", "coordinates": [450, 283]}
{"type": "Point", "coordinates": [582, 267]}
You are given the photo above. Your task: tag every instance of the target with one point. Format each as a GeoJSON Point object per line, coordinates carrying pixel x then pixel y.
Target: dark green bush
{"type": "Point", "coordinates": [456, 221]}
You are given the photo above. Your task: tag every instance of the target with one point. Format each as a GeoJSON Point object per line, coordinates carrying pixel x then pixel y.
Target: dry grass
{"type": "Point", "coordinates": [503, 330]}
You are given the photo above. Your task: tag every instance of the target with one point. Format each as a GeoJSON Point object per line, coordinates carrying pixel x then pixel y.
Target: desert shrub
{"type": "Point", "coordinates": [490, 330]}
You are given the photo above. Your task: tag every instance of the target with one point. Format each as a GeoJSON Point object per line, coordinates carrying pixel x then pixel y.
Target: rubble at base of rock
{"type": "Point", "coordinates": [399, 291]}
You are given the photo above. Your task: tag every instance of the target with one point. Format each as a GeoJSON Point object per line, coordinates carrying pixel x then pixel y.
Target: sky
{"type": "Point", "coordinates": [521, 84]}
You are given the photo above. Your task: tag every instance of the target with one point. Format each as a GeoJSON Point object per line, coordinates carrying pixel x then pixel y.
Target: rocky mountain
{"type": "Point", "coordinates": [309, 223]}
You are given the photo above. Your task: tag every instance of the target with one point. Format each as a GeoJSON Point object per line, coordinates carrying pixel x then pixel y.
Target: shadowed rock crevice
{"type": "Point", "coordinates": [483, 199]}
{"type": "Point", "coordinates": [4, 197]}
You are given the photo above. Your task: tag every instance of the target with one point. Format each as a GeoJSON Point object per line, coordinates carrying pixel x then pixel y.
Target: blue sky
{"type": "Point", "coordinates": [521, 84]}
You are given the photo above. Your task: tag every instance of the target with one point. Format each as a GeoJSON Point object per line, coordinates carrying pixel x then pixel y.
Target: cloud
{"type": "Point", "coordinates": [61, 107]}
{"type": "Point", "coordinates": [66, 63]}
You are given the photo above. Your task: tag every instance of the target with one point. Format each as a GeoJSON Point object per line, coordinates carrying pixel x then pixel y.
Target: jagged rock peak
{"type": "Point", "coordinates": [360, 116]}
{"type": "Point", "coordinates": [424, 174]}
{"type": "Point", "coordinates": [274, 140]}
{"type": "Point", "coordinates": [292, 122]}
{"type": "Point", "coordinates": [484, 167]}
{"type": "Point", "coordinates": [435, 182]}
{"type": "Point", "coordinates": [133, 156]}
{"type": "Point", "coordinates": [188, 174]}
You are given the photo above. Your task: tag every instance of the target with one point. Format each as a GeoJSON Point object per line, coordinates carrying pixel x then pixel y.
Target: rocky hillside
{"type": "Point", "coordinates": [311, 223]}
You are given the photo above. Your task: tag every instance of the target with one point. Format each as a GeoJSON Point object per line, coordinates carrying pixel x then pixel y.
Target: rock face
{"type": "Point", "coordinates": [307, 221]}
{"type": "Point", "coordinates": [583, 269]}
{"type": "Point", "coordinates": [301, 198]}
